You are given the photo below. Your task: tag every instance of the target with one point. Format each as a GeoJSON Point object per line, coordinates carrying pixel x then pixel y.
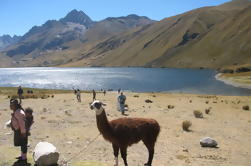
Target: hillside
{"type": "Point", "coordinates": [209, 37]}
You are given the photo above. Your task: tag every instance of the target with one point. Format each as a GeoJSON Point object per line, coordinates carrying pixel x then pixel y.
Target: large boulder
{"type": "Point", "coordinates": [45, 154]}
{"type": "Point", "coordinates": [208, 142]}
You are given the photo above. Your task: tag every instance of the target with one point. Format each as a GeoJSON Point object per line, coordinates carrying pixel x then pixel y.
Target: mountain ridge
{"type": "Point", "coordinates": [208, 37]}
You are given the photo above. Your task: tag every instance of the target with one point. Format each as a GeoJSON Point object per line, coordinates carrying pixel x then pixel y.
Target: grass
{"type": "Point", "coordinates": [11, 92]}
{"type": "Point", "coordinates": [198, 114]}
{"type": "Point", "coordinates": [246, 108]}
{"type": "Point", "coordinates": [207, 111]}
{"type": "Point", "coordinates": [186, 125]}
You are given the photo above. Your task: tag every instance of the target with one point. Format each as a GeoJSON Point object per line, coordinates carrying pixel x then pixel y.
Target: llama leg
{"type": "Point", "coordinates": [123, 151]}
{"type": "Point", "coordinates": [116, 154]}
{"type": "Point", "coordinates": [150, 148]}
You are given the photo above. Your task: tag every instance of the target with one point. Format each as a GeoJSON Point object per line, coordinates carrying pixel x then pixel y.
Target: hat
{"type": "Point", "coordinates": [13, 102]}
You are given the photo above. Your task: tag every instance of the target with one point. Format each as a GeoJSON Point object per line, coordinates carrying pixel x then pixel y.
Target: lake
{"type": "Point", "coordinates": [128, 79]}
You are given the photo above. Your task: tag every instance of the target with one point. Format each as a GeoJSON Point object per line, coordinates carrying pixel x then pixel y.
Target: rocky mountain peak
{"type": "Point", "coordinates": [79, 17]}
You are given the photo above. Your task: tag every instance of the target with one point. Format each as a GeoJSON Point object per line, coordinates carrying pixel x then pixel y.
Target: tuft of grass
{"type": "Point", "coordinates": [198, 114]}
{"type": "Point", "coordinates": [186, 125]}
{"type": "Point", "coordinates": [245, 107]}
{"type": "Point", "coordinates": [170, 107]}
{"type": "Point", "coordinates": [207, 111]}
{"type": "Point", "coordinates": [148, 101]}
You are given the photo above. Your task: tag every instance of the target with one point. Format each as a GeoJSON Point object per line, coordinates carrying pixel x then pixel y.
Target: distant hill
{"type": "Point", "coordinates": [7, 40]}
{"type": "Point", "coordinates": [209, 37]}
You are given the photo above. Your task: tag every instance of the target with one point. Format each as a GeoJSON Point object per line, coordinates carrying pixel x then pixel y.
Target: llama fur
{"type": "Point", "coordinates": [124, 132]}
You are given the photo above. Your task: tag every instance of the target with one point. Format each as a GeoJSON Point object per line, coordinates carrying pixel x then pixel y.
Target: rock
{"type": "Point", "coordinates": [227, 71]}
{"type": "Point", "coordinates": [7, 133]}
{"type": "Point", "coordinates": [148, 101]}
{"type": "Point", "coordinates": [45, 154]}
{"type": "Point", "coordinates": [242, 69]}
{"type": "Point", "coordinates": [208, 142]}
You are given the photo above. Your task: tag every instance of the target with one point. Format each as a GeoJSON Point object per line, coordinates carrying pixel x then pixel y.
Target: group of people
{"type": "Point", "coordinates": [121, 98]}
{"type": "Point", "coordinates": [77, 92]}
{"type": "Point", "coordinates": [22, 119]}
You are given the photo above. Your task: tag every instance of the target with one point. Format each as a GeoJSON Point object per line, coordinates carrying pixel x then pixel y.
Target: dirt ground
{"type": "Point", "coordinates": [70, 126]}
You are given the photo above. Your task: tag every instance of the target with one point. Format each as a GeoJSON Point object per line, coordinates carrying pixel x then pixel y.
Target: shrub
{"type": "Point", "coordinates": [198, 114]}
{"type": "Point", "coordinates": [148, 101]}
{"type": "Point", "coordinates": [170, 107]}
{"type": "Point", "coordinates": [207, 110]}
{"type": "Point", "coordinates": [245, 107]}
{"type": "Point", "coordinates": [186, 124]}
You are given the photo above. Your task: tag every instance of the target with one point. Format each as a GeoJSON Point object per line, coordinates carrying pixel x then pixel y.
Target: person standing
{"type": "Point", "coordinates": [79, 95]}
{"type": "Point", "coordinates": [121, 103]}
{"type": "Point", "coordinates": [104, 92]}
{"type": "Point", "coordinates": [93, 95]}
{"type": "Point", "coordinates": [20, 94]}
{"type": "Point", "coordinates": [18, 125]}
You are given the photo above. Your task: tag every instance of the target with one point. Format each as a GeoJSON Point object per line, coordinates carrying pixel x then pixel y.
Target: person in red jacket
{"type": "Point", "coordinates": [18, 125]}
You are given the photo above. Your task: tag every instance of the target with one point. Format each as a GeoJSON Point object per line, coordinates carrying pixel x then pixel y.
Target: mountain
{"type": "Point", "coordinates": [58, 41]}
{"type": "Point", "coordinates": [7, 40]}
{"type": "Point", "coordinates": [209, 37]}
{"type": "Point", "coordinates": [78, 17]}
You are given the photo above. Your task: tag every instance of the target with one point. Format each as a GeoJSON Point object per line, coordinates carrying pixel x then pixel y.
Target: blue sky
{"type": "Point", "coordinates": [18, 16]}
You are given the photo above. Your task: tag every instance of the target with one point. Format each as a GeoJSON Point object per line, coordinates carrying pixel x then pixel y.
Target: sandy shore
{"type": "Point", "coordinates": [70, 125]}
{"type": "Point", "coordinates": [236, 81]}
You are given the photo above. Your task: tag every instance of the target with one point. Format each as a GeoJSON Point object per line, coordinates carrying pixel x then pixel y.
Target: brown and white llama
{"type": "Point", "coordinates": [124, 132]}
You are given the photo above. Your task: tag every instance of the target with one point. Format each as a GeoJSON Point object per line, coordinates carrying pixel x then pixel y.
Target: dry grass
{"type": "Point", "coordinates": [198, 114]}
{"type": "Point", "coordinates": [245, 107]}
{"type": "Point", "coordinates": [186, 125]}
{"type": "Point", "coordinates": [207, 111]}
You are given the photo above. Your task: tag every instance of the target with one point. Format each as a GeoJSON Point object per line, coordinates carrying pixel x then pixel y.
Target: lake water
{"type": "Point", "coordinates": [128, 79]}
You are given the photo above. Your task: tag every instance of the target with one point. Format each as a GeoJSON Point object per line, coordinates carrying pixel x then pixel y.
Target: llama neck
{"type": "Point", "coordinates": [104, 125]}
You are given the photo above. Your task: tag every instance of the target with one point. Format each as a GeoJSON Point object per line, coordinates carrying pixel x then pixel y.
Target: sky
{"type": "Point", "coordinates": [18, 16]}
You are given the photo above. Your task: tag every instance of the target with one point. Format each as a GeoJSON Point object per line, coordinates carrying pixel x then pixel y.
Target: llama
{"type": "Point", "coordinates": [124, 132]}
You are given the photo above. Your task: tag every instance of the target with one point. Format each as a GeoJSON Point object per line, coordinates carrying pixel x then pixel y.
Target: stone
{"type": "Point", "coordinates": [208, 142]}
{"type": "Point", "coordinates": [148, 101]}
{"type": "Point", "coordinates": [45, 154]}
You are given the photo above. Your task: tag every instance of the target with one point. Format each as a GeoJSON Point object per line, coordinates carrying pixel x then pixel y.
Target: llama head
{"type": "Point", "coordinates": [97, 107]}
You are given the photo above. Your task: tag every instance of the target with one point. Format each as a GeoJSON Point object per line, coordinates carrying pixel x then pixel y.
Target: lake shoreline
{"type": "Point", "coordinates": [229, 81]}
{"type": "Point", "coordinates": [12, 91]}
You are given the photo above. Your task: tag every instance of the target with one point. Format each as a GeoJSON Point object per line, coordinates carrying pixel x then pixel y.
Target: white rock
{"type": "Point", "coordinates": [45, 154]}
{"type": "Point", "coordinates": [208, 142]}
